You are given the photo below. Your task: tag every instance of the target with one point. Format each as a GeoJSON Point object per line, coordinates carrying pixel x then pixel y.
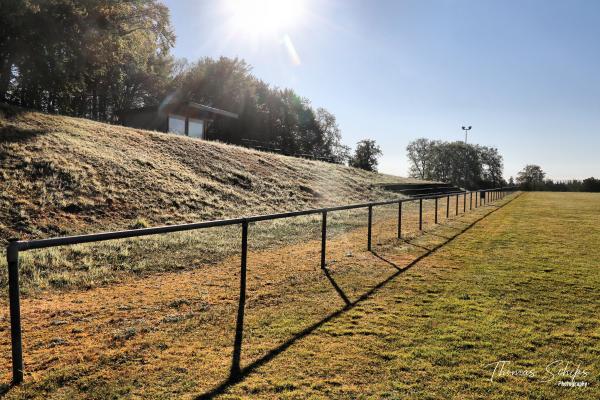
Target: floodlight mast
{"type": "Point", "coordinates": [466, 129]}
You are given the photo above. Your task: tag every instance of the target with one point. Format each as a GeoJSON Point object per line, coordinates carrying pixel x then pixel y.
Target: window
{"type": "Point", "coordinates": [177, 124]}
{"type": "Point", "coordinates": [196, 128]}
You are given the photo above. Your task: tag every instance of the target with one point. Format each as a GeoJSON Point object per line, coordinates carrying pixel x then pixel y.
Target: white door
{"type": "Point", "coordinates": [196, 128]}
{"type": "Point", "coordinates": [177, 124]}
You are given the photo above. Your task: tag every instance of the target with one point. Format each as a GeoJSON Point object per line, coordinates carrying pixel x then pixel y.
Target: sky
{"type": "Point", "coordinates": [525, 74]}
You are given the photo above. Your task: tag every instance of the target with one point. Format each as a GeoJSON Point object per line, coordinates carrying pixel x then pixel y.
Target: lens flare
{"type": "Point", "coordinates": [291, 50]}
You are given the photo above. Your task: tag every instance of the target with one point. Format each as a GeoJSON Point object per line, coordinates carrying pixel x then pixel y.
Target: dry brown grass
{"type": "Point", "coordinates": [67, 175]}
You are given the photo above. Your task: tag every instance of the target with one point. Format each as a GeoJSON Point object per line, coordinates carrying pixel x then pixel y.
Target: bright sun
{"type": "Point", "coordinates": [264, 17]}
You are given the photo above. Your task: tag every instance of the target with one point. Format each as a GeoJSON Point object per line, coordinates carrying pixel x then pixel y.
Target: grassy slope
{"type": "Point", "coordinates": [65, 175]}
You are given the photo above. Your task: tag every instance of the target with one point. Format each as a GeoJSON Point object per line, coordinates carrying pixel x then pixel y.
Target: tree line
{"type": "Point", "coordinates": [533, 177]}
{"type": "Point", "coordinates": [467, 165]}
{"type": "Point", "coordinates": [94, 58]}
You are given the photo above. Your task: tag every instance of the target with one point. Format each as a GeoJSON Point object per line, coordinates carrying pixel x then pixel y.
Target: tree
{"type": "Point", "coordinates": [269, 117]}
{"type": "Point", "coordinates": [492, 165]}
{"type": "Point", "coordinates": [333, 149]}
{"type": "Point", "coordinates": [531, 177]}
{"type": "Point", "coordinates": [421, 155]}
{"type": "Point", "coordinates": [93, 58]}
{"type": "Point", "coordinates": [467, 165]}
{"type": "Point", "coordinates": [365, 155]}
{"type": "Point", "coordinates": [84, 58]}
{"type": "Point", "coordinates": [591, 185]}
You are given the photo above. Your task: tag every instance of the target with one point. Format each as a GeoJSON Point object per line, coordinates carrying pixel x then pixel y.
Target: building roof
{"type": "Point", "coordinates": [174, 106]}
{"type": "Point", "coordinates": [211, 109]}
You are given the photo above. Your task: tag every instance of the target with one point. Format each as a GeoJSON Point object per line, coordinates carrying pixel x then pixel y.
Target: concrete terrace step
{"type": "Point", "coordinates": [418, 189]}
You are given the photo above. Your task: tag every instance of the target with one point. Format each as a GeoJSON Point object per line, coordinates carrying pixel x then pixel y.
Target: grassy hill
{"type": "Point", "coordinates": [65, 175]}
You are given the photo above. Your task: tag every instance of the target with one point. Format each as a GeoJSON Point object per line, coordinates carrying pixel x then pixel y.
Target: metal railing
{"type": "Point", "coordinates": [16, 246]}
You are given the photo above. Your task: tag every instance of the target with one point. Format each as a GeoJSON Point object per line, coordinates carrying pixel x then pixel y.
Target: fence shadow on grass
{"type": "Point", "coordinates": [337, 288]}
{"type": "Point", "coordinates": [410, 243]}
{"type": "Point", "coordinates": [238, 374]}
{"type": "Point", "coordinates": [392, 264]}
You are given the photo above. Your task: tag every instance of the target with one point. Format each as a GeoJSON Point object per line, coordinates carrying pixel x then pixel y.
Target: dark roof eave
{"type": "Point", "coordinates": [212, 110]}
{"type": "Point", "coordinates": [190, 104]}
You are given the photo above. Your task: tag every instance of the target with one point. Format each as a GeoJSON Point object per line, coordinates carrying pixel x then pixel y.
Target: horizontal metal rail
{"type": "Point", "coordinates": [16, 246]}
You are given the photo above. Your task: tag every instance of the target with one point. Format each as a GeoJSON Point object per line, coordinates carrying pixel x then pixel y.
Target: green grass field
{"type": "Point", "coordinates": [515, 283]}
{"type": "Point", "coordinates": [520, 289]}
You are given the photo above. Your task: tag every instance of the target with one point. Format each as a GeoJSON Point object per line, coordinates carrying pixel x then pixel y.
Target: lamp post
{"type": "Point", "coordinates": [466, 129]}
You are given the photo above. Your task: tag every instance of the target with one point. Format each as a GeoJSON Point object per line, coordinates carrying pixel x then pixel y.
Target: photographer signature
{"type": "Point", "coordinates": [565, 373]}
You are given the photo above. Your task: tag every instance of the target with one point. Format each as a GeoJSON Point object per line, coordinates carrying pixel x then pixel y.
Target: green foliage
{"type": "Point", "coordinates": [572, 185]}
{"type": "Point", "coordinates": [467, 165]}
{"type": "Point", "coordinates": [365, 155]}
{"type": "Point", "coordinates": [270, 118]}
{"type": "Point", "coordinates": [84, 58]}
{"type": "Point", "coordinates": [94, 58]}
{"type": "Point", "coordinates": [531, 177]}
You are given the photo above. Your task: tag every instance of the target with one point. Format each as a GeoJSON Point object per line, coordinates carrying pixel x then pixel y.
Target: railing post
{"type": "Point", "coordinates": [323, 239]}
{"type": "Point", "coordinates": [456, 204]}
{"type": "Point", "coordinates": [12, 257]}
{"type": "Point", "coordinates": [239, 324]}
{"type": "Point", "coordinates": [436, 210]}
{"type": "Point", "coordinates": [420, 214]}
{"type": "Point", "coordinates": [465, 202]}
{"type": "Point", "coordinates": [471, 201]}
{"type": "Point", "coordinates": [399, 220]}
{"type": "Point", "coordinates": [447, 207]}
{"type": "Point", "coordinates": [370, 229]}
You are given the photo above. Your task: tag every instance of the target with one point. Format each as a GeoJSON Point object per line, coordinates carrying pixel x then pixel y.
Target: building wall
{"type": "Point", "coordinates": [148, 119]}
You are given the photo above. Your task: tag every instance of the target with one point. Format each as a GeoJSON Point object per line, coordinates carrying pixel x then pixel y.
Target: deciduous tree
{"type": "Point", "coordinates": [365, 155]}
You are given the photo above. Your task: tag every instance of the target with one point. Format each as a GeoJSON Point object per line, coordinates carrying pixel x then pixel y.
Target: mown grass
{"type": "Point", "coordinates": [170, 334]}
{"type": "Point", "coordinates": [522, 287]}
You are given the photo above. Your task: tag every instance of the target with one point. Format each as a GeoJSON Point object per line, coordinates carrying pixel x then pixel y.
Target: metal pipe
{"type": "Point", "coordinates": [369, 229]}
{"type": "Point", "coordinates": [12, 257]}
{"type": "Point", "coordinates": [323, 239]}
{"type": "Point", "coordinates": [239, 324]}
{"type": "Point", "coordinates": [447, 207]}
{"type": "Point", "coordinates": [420, 214]}
{"type": "Point", "coordinates": [456, 204]}
{"type": "Point", "coordinates": [399, 220]}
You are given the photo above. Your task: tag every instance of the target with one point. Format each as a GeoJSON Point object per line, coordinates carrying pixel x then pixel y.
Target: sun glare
{"type": "Point", "coordinates": [264, 17]}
